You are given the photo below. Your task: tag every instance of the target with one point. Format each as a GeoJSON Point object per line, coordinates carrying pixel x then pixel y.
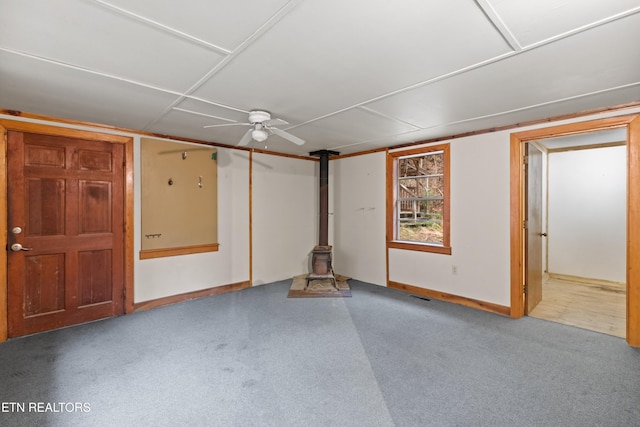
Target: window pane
{"type": "Point", "coordinates": [421, 221]}
{"type": "Point", "coordinates": [428, 187]}
{"type": "Point", "coordinates": [428, 164]}
{"type": "Point", "coordinates": [423, 232]}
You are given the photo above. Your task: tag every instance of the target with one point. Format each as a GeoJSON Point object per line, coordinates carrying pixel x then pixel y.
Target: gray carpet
{"type": "Point", "coordinates": [380, 358]}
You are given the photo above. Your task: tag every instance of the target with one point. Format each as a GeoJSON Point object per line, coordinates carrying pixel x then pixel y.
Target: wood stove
{"type": "Point", "coordinates": [321, 281]}
{"type": "Point", "coordinates": [321, 260]}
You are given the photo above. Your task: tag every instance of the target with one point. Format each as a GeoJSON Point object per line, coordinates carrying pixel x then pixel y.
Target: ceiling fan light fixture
{"type": "Point", "coordinates": [259, 135]}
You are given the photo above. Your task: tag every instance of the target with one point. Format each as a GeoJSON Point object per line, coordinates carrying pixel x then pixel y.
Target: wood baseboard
{"type": "Point", "coordinates": [585, 280]}
{"type": "Point", "coordinates": [443, 296]}
{"type": "Point", "coordinates": [173, 299]}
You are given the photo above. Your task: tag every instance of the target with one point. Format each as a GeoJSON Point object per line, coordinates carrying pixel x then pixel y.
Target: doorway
{"type": "Point", "coordinates": [69, 221]}
{"type": "Point", "coordinates": [583, 232]}
{"type": "Point", "coordinates": [631, 125]}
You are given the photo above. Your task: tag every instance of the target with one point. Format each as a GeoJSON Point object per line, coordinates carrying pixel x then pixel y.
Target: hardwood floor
{"type": "Point", "coordinates": [597, 306]}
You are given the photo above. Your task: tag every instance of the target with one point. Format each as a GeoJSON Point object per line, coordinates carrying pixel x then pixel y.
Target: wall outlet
{"type": "Point", "coordinates": [454, 269]}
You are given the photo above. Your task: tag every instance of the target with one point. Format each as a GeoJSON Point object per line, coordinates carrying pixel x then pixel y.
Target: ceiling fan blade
{"type": "Point", "coordinates": [287, 135]}
{"type": "Point", "coordinates": [246, 138]}
{"type": "Point", "coordinates": [228, 124]}
{"type": "Point", "coordinates": [275, 122]}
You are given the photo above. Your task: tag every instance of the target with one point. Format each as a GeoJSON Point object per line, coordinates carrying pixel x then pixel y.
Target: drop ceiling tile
{"type": "Point", "coordinates": [204, 108]}
{"type": "Point", "coordinates": [547, 74]}
{"type": "Point", "coordinates": [326, 55]}
{"type": "Point", "coordinates": [351, 126]}
{"type": "Point", "coordinates": [179, 123]}
{"type": "Point", "coordinates": [224, 23]}
{"type": "Point", "coordinates": [91, 36]}
{"type": "Point", "coordinates": [533, 21]}
{"type": "Point", "coordinates": [44, 88]}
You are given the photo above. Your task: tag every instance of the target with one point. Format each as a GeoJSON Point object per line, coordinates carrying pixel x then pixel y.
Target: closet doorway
{"type": "Point", "coordinates": [630, 124]}
{"type": "Point", "coordinates": [583, 231]}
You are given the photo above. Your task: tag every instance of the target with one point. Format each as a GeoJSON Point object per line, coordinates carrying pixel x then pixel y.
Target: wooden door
{"type": "Point", "coordinates": [65, 208]}
{"type": "Point", "coordinates": [533, 232]}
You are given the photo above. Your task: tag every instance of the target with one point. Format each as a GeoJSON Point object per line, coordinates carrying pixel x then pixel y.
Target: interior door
{"type": "Point", "coordinates": [66, 231]}
{"type": "Point", "coordinates": [533, 232]}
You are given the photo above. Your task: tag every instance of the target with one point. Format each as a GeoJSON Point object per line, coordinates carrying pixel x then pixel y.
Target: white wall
{"type": "Point", "coordinates": [359, 209]}
{"type": "Point", "coordinates": [285, 216]}
{"type": "Point", "coordinates": [479, 172]}
{"type": "Point", "coordinates": [587, 213]}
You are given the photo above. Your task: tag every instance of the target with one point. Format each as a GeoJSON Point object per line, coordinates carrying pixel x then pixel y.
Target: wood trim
{"type": "Point", "coordinates": [516, 190]}
{"type": "Point", "coordinates": [129, 227]}
{"type": "Point", "coordinates": [574, 128]}
{"type": "Point", "coordinates": [359, 153]}
{"type": "Point", "coordinates": [174, 299]}
{"type": "Point", "coordinates": [391, 195]}
{"type": "Point", "coordinates": [421, 247]}
{"type": "Point", "coordinates": [446, 221]}
{"type": "Point", "coordinates": [633, 233]}
{"type": "Point", "coordinates": [61, 131]}
{"type": "Point", "coordinates": [443, 296]}
{"type": "Point", "coordinates": [387, 215]}
{"type": "Point", "coordinates": [251, 217]}
{"type": "Point", "coordinates": [290, 156]}
{"type": "Point", "coordinates": [4, 315]}
{"type": "Point", "coordinates": [632, 122]}
{"type": "Point", "coordinates": [587, 280]}
{"type": "Point", "coordinates": [183, 250]}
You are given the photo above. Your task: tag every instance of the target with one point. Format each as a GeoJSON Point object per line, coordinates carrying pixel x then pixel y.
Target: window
{"type": "Point", "coordinates": [418, 199]}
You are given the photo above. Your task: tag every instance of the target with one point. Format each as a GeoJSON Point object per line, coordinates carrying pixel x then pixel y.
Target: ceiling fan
{"type": "Point", "coordinates": [261, 126]}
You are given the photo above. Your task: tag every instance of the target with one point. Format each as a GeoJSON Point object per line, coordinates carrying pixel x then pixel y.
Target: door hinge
{"type": "Point", "coordinates": [525, 160]}
{"type": "Point", "coordinates": [525, 224]}
{"type": "Point", "coordinates": [525, 288]}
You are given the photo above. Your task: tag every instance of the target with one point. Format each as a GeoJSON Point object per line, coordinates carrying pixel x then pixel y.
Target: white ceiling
{"type": "Point", "coordinates": [348, 76]}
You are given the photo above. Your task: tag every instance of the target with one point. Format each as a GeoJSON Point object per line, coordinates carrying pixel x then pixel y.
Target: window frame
{"type": "Point", "coordinates": [392, 197]}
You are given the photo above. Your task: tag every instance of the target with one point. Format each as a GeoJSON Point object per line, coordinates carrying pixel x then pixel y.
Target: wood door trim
{"type": "Point", "coordinates": [632, 123]}
{"type": "Point", "coordinates": [4, 319]}
{"type": "Point", "coordinates": [10, 125]}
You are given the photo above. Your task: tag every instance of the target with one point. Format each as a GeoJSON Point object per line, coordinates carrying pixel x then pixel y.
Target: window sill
{"type": "Point", "coordinates": [422, 247]}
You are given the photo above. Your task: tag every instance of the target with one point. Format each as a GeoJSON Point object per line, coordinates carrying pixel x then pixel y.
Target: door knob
{"type": "Point", "coordinates": [543, 234]}
{"type": "Point", "coordinates": [18, 247]}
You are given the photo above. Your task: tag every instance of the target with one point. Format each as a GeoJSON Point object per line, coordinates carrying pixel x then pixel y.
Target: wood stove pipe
{"type": "Point", "coordinates": [323, 234]}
